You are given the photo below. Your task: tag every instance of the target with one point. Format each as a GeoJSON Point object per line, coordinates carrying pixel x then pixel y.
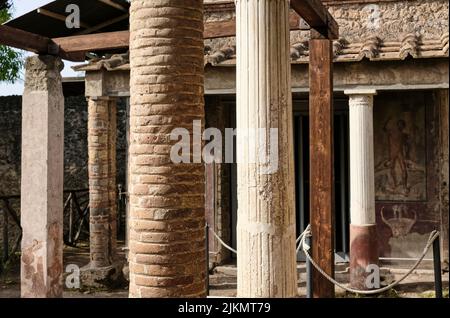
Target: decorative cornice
{"type": "Point", "coordinates": [372, 49]}
{"type": "Point", "coordinates": [226, 5]}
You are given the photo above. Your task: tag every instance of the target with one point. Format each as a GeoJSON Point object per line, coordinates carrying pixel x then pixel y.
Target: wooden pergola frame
{"type": "Point", "coordinates": [323, 30]}
{"type": "Point", "coordinates": [73, 48]}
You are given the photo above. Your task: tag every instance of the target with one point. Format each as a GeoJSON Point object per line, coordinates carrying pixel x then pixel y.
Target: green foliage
{"type": "Point", "coordinates": [11, 61]}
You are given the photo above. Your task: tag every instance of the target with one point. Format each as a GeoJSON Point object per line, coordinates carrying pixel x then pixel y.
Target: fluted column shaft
{"type": "Point", "coordinates": [363, 235]}
{"type": "Point", "coordinates": [266, 211]}
{"type": "Point", "coordinates": [167, 213]}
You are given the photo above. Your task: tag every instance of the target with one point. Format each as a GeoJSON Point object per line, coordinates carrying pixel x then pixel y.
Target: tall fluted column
{"type": "Point", "coordinates": [266, 210]}
{"type": "Point", "coordinates": [363, 231]}
{"type": "Point", "coordinates": [42, 178]}
{"type": "Point", "coordinates": [167, 214]}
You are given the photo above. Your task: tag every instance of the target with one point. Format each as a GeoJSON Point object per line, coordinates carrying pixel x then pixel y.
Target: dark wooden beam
{"type": "Point", "coordinates": [24, 40]}
{"type": "Point", "coordinates": [219, 29]}
{"type": "Point", "coordinates": [317, 16]}
{"type": "Point", "coordinates": [104, 41]}
{"type": "Point", "coordinates": [94, 42]}
{"type": "Point", "coordinates": [228, 28]}
{"type": "Point", "coordinates": [36, 43]}
{"type": "Point", "coordinates": [322, 166]}
{"type": "Point", "coordinates": [114, 5]}
{"type": "Point", "coordinates": [58, 16]}
{"type": "Point", "coordinates": [73, 56]}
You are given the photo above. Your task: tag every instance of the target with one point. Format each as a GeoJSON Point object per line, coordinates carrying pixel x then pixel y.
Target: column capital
{"type": "Point", "coordinates": [43, 73]}
{"type": "Point", "coordinates": [361, 91]}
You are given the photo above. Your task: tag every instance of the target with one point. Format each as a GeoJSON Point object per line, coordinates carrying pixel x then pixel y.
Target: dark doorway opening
{"type": "Point", "coordinates": [301, 151]}
{"type": "Point", "coordinates": [341, 173]}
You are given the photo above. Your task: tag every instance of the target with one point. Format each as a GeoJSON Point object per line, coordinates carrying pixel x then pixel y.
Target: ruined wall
{"type": "Point", "coordinates": [360, 20]}
{"type": "Point", "coordinates": [75, 149]}
{"type": "Point", "coordinates": [391, 19]}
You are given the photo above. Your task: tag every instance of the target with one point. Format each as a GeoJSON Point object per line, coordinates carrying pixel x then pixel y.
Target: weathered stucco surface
{"type": "Point", "coordinates": [42, 178]}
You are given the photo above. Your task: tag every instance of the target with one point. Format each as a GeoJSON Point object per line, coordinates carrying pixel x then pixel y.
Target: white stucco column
{"type": "Point", "coordinates": [363, 232]}
{"type": "Point", "coordinates": [266, 204]}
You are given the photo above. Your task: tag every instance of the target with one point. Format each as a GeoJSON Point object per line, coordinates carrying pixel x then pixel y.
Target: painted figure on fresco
{"type": "Point", "coordinates": [400, 172]}
{"type": "Point", "coordinates": [398, 141]}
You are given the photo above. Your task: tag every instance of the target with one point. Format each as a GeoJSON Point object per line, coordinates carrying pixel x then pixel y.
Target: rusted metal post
{"type": "Point", "coordinates": [437, 267]}
{"type": "Point", "coordinates": [70, 239]}
{"type": "Point", "coordinates": [309, 274]}
{"type": "Point", "coordinates": [322, 170]}
{"type": "Point", "coordinates": [207, 258]}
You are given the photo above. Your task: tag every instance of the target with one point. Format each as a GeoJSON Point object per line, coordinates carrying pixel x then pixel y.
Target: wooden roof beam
{"type": "Point", "coordinates": [104, 24]}
{"type": "Point", "coordinates": [94, 42]}
{"type": "Point", "coordinates": [221, 29]}
{"type": "Point", "coordinates": [121, 39]}
{"type": "Point", "coordinates": [24, 40]}
{"type": "Point", "coordinates": [35, 43]}
{"type": "Point", "coordinates": [75, 46]}
{"type": "Point", "coordinates": [114, 5]}
{"type": "Point", "coordinates": [317, 16]}
{"type": "Point", "coordinates": [59, 17]}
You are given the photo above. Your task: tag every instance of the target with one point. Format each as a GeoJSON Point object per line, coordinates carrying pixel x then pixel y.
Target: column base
{"type": "Point", "coordinates": [102, 277]}
{"type": "Point", "coordinates": [363, 252]}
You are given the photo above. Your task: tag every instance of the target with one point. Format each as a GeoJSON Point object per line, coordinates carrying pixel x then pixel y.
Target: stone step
{"type": "Point", "coordinates": [225, 277]}
{"type": "Point", "coordinates": [231, 270]}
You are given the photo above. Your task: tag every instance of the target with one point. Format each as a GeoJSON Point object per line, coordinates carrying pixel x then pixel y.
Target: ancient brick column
{"type": "Point", "coordinates": [103, 270]}
{"type": "Point", "coordinates": [363, 231]}
{"type": "Point", "coordinates": [266, 204]}
{"type": "Point", "coordinates": [167, 238]}
{"type": "Point", "coordinates": [42, 178]}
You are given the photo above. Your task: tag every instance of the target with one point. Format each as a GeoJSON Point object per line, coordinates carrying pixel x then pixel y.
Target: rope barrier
{"type": "Point", "coordinates": [302, 245]}
{"type": "Point", "coordinates": [433, 236]}
{"type": "Point", "coordinates": [222, 242]}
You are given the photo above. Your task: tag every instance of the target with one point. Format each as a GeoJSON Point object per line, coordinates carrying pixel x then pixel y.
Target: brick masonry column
{"type": "Point", "coordinates": [42, 178]}
{"type": "Point", "coordinates": [266, 261]}
{"type": "Point", "coordinates": [103, 270]}
{"type": "Point", "coordinates": [363, 231]}
{"type": "Point", "coordinates": [112, 184]}
{"type": "Point", "coordinates": [167, 215]}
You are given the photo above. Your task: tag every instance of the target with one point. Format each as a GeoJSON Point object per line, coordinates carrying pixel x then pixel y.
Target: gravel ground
{"type": "Point", "coordinates": [419, 285]}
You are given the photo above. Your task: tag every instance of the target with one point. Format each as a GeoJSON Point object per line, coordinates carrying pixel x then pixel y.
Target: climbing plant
{"type": "Point", "coordinates": [11, 61]}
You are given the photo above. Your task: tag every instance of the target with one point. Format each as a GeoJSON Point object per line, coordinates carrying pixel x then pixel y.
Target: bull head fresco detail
{"type": "Point", "coordinates": [400, 224]}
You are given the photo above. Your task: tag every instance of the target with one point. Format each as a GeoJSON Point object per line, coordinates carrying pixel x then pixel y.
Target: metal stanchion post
{"type": "Point", "coordinates": [309, 284]}
{"type": "Point", "coordinates": [207, 258]}
{"type": "Point", "coordinates": [437, 267]}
